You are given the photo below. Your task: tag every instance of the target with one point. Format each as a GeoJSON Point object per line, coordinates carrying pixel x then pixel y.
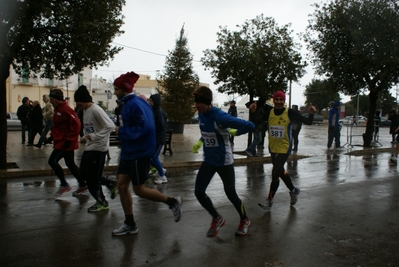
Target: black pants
{"type": "Point", "coordinates": [295, 134]}
{"type": "Point", "coordinates": [226, 173]}
{"type": "Point", "coordinates": [278, 172]}
{"type": "Point", "coordinates": [69, 158]}
{"type": "Point", "coordinates": [91, 170]}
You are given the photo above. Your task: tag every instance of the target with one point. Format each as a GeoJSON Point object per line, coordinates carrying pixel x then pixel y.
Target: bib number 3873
{"type": "Point", "coordinates": [210, 139]}
{"type": "Point", "coordinates": [277, 131]}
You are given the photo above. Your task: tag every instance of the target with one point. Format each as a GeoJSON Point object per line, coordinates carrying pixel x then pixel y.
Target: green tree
{"type": "Point", "coordinates": [320, 93]}
{"type": "Point", "coordinates": [364, 104]}
{"type": "Point", "coordinates": [54, 39]}
{"type": "Point", "coordinates": [178, 82]}
{"type": "Point", "coordinates": [257, 59]}
{"type": "Point", "coordinates": [354, 43]}
{"type": "Point", "coordinates": [386, 103]}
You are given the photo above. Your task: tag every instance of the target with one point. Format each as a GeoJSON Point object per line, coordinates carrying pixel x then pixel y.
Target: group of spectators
{"type": "Point", "coordinates": [32, 116]}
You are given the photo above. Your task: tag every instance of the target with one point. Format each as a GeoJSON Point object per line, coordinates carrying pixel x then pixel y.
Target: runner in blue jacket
{"type": "Point", "coordinates": [216, 126]}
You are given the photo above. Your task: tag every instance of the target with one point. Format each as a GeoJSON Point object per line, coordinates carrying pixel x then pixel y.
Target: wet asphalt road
{"type": "Point", "coordinates": [347, 215]}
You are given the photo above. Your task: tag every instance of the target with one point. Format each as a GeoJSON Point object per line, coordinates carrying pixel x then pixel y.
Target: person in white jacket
{"type": "Point", "coordinates": [97, 129]}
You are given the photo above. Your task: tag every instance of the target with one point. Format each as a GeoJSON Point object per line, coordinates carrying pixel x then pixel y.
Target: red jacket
{"type": "Point", "coordinates": [66, 127]}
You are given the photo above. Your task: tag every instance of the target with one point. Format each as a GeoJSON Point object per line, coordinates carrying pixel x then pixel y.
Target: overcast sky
{"type": "Point", "coordinates": [154, 25]}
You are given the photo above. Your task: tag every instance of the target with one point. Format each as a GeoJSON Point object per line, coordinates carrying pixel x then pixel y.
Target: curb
{"type": "Point", "coordinates": [20, 173]}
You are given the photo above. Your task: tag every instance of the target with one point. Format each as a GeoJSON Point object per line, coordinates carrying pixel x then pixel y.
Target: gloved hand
{"type": "Point", "coordinates": [197, 146]}
{"type": "Point", "coordinates": [67, 143]}
{"type": "Point", "coordinates": [233, 132]}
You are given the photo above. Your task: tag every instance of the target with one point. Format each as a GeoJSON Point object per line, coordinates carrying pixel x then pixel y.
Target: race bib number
{"type": "Point", "coordinates": [210, 139]}
{"type": "Point", "coordinates": [277, 131]}
{"type": "Point", "coordinates": [89, 128]}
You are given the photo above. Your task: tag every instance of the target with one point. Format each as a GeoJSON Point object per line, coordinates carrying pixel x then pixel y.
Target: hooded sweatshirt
{"type": "Point", "coordinates": [160, 120]}
{"type": "Point", "coordinates": [334, 114]}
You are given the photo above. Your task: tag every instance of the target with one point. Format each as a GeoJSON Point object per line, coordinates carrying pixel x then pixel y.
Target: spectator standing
{"type": "Point", "coordinates": [233, 112]}
{"type": "Point", "coordinates": [48, 112]}
{"type": "Point", "coordinates": [334, 129]}
{"type": "Point", "coordinates": [137, 135]}
{"type": "Point", "coordinates": [218, 158]}
{"type": "Point", "coordinates": [394, 157]}
{"type": "Point", "coordinates": [65, 134]}
{"type": "Point", "coordinates": [296, 128]}
{"type": "Point", "coordinates": [256, 110]}
{"type": "Point", "coordinates": [97, 129]}
{"type": "Point", "coordinates": [280, 120]}
{"type": "Point", "coordinates": [393, 117]}
{"type": "Point", "coordinates": [377, 123]}
{"type": "Point", "coordinates": [35, 117]}
{"type": "Point", "coordinates": [22, 114]}
{"type": "Point", "coordinates": [160, 128]}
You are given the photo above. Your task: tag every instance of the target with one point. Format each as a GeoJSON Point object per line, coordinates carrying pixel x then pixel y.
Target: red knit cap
{"type": "Point", "coordinates": [126, 81]}
{"type": "Point", "coordinates": [279, 94]}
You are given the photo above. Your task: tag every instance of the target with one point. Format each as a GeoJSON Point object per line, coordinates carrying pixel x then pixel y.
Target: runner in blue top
{"type": "Point", "coordinates": [216, 126]}
{"type": "Point", "coordinates": [137, 134]}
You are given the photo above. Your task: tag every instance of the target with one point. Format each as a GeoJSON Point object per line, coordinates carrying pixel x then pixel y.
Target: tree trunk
{"type": "Point", "coordinates": [368, 135]}
{"type": "Point", "coordinates": [4, 74]}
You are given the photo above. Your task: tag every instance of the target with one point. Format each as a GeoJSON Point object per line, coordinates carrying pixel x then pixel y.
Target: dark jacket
{"type": "Point", "coordinates": [296, 124]}
{"type": "Point", "coordinates": [256, 117]}
{"type": "Point", "coordinates": [22, 114]}
{"type": "Point", "coordinates": [232, 111]}
{"type": "Point", "coordinates": [393, 117]}
{"type": "Point", "coordinates": [36, 119]}
{"type": "Point", "coordinates": [160, 120]}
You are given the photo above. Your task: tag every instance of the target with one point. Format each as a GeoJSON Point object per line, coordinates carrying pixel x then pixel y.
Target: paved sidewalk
{"type": "Point", "coordinates": [32, 161]}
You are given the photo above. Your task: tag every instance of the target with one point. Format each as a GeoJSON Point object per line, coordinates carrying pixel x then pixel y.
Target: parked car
{"type": "Point", "coordinates": [13, 123]}
{"type": "Point", "coordinates": [349, 120]}
{"type": "Point", "coordinates": [317, 119]}
{"type": "Point", "coordinates": [385, 122]}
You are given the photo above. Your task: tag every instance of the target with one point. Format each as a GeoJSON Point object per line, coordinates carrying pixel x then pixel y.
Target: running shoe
{"type": "Point", "coordinates": [62, 190]}
{"type": "Point", "coordinates": [114, 191]}
{"type": "Point", "coordinates": [126, 230]}
{"type": "Point", "coordinates": [243, 227]}
{"type": "Point", "coordinates": [249, 154]}
{"type": "Point", "coordinates": [177, 209]}
{"type": "Point", "coordinates": [161, 180]}
{"type": "Point", "coordinates": [267, 205]}
{"type": "Point", "coordinates": [152, 171]}
{"type": "Point", "coordinates": [393, 160]}
{"type": "Point", "coordinates": [99, 207]}
{"type": "Point", "coordinates": [294, 195]}
{"type": "Point", "coordinates": [215, 226]}
{"type": "Point", "coordinates": [79, 191]}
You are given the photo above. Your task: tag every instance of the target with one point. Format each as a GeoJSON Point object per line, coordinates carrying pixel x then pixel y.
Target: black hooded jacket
{"type": "Point", "coordinates": [160, 119]}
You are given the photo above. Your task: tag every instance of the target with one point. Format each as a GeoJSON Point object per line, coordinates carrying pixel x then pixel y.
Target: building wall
{"type": "Point", "coordinates": [34, 88]}
{"type": "Point", "coordinates": [101, 90]}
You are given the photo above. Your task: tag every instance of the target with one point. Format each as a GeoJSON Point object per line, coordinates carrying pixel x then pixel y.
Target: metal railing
{"type": "Point", "coordinates": [355, 131]}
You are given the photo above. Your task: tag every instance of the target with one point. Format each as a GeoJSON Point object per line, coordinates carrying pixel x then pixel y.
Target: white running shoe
{"type": "Point", "coordinates": [161, 180]}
